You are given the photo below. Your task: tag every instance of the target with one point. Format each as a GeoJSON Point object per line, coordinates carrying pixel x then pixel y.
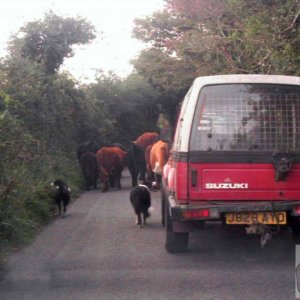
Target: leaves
{"type": "Point", "coordinates": [49, 41]}
{"type": "Point", "coordinates": [204, 37]}
{"type": "Point", "coordinates": [131, 104]}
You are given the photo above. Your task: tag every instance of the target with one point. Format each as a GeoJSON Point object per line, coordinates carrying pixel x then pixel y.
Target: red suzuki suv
{"type": "Point", "coordinates": [235, 157]}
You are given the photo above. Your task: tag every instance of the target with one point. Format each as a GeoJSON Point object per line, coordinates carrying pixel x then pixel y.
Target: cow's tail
{"type": "Point", "coordinates": [103, 171]}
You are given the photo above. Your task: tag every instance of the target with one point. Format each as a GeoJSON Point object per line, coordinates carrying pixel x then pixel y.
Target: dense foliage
{"type": "Point", "coordinates": [204, 37]}
{"type": "Point", "coordinates": [132, 104]}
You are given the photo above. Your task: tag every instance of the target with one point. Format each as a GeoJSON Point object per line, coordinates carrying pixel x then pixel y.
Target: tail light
{"type": "Point", "coordinates": [297, 210]}
{"type": "Point", "coordinates": [196, 214]}
{"type": "Point", "coordinates": [181, 182]}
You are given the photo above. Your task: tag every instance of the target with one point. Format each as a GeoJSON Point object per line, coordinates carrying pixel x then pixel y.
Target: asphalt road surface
{"type": "Point", "coordinates": [97, 252]}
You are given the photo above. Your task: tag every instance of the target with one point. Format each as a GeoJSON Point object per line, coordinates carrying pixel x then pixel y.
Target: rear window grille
{"type": "Point", "coordinates": [247, 117]}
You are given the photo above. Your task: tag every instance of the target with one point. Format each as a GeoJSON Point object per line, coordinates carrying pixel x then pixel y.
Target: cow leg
{"type": "Point", "coordinates": [134, 176]}
{"type": "Point", "coordinates": [157, 180]}
{"type": "Point", "coordinates": [105, 185]}
{"type": "Point", "coordinates": [118, 182]}
{"type": "Point", "coordinates": [150, 176]}
{"type": "Point", "coordinates": [59, 208]}
{"type": "Point", "coordinates": [111, 180]}
{"type": "Point", "coordinates": [134, 179]}
{"type": "Point", "coordinates": [142, 171]}
{"type": "Point", "coordinates": [86, 180]}
{"type": "Point", "coordinates": [105, 188]}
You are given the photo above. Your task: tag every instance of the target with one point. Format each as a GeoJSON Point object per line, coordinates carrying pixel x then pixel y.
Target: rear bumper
{"type": "Point", "coordinates": [219, 208]}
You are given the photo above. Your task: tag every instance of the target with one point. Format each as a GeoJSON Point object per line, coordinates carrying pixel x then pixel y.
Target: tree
{"type": "Point", "coordinates": [52, 105]}
{"type": "Point", "coordinates": [233, 36]}
{"type": "Point", "coordinates": [193, 38]}
{"type": "Point", "coordinates": [170, 76]}
{"type": "Point", "coordinates": [131, 104]}
{"type": "Point", "coordinates": [49, 41]}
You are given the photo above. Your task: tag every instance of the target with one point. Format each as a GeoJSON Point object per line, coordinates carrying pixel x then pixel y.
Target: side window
{"type": "Point", "coordinates": [179, 131]}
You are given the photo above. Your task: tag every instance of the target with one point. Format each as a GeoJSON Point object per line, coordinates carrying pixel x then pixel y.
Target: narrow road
{"type": "Point", "coordinates": [97, 252]}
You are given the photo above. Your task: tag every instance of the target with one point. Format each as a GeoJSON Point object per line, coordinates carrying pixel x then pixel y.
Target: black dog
{"type": "Point", "coordinates": [62, 195]}
{"type": "Point", "coordinates": [140, 198]}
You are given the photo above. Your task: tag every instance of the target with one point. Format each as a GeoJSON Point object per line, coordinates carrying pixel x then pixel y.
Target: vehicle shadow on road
{"type": "Point", "coordinates": [221, 242]}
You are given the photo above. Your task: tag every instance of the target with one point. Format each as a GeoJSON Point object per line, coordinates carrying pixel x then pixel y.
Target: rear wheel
{"type": "Point", "coordinates": [296, 234]}
{"type": "Point", "coordinates": [175, 242]}
{"type": "Point", "coordinates": [295, 226]}
{"type": "Point", "coordinates": [163, 203]}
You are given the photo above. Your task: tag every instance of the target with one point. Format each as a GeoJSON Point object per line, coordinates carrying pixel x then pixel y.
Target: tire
{"type": "Point", "coordinates": [296, 234]}
{"type": "Point", "coordinates": [295, 226]}
{"type": "Point", "coordinates": [163, 203]}
{"type": "Point", "coordinates": [175, 242]}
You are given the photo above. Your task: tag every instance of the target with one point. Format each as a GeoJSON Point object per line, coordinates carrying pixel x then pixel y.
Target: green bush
{"type": "Point", "coordinates": [26, 201]}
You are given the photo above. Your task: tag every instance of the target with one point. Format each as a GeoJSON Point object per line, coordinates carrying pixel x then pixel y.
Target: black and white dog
{"type": "Point", "coordinates": [62, 195]}
{"type": "Point", "coordinates": [140, 198]}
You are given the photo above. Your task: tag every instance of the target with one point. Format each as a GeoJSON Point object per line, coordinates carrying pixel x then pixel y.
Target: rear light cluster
{"type": "Point", "coordinates": [297, 210]}
{"type": "Point", "coordinates": [196, 214]}
{"type": "Point", "coordinates": [181, 182]}
{"type": "Point", "coordinates": [201, 213]}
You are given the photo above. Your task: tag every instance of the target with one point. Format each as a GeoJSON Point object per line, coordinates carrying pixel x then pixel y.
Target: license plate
{"type": "Point", "coordinates": [265, 217]}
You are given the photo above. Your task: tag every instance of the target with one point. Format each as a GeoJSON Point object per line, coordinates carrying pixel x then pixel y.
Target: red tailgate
{"type": "Point", "coordinates": [242, 182]}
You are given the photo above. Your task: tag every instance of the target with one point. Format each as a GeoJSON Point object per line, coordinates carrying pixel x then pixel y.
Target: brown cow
{"type": "Point", "coordinates": [111, 164]}
{"type": "Point", "coordinates": [147, 139]}
{"type": "Point", "coordinates": [159, 155]}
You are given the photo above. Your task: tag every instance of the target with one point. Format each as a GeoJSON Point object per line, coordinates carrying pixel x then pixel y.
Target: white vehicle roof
{"type": "Point", "coordinates": [246, 78]}
{"type": "Point", "coordinates": [185, 119]}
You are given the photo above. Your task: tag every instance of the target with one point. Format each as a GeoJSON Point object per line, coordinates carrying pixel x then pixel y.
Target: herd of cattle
{"type": "Point", "coordinates": [145, 159]}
